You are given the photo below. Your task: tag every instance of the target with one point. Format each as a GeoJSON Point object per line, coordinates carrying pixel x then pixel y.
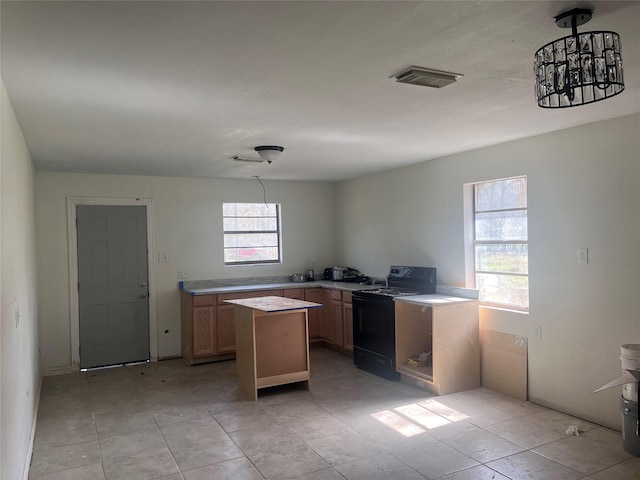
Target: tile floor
{"type": "Point", "coordinates": [170, 421]}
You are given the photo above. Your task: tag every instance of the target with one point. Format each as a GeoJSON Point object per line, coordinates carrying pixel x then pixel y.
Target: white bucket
{"type": "Point", "coordinates": [630, 356]}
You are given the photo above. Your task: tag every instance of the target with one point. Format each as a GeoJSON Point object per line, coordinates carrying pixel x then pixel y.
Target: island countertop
{"type": "Point", "coordinates": [272, 304]}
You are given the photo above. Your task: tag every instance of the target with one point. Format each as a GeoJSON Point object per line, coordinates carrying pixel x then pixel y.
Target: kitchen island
{"type": "Point", "coordinates": [272, 342]}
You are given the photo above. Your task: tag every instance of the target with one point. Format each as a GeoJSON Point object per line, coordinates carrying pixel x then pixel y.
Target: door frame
{"type": "Point", "coordinates": [74, 310]}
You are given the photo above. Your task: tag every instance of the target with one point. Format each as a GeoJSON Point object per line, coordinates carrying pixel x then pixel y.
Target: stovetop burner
{"type": "Point", "coordinates": [404, 280]}
{"type": "Point", "coordinates": [390, 291]}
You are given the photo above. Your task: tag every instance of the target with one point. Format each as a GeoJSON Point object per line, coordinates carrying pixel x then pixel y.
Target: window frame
{"type": "Point", "coordinates": [277, 231]}
{"type": "Point", "coordinates": [474, 243]}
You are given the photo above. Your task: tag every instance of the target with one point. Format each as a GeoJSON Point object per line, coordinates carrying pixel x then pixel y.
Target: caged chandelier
{"type": "Point", "coordinates": [580, 68]}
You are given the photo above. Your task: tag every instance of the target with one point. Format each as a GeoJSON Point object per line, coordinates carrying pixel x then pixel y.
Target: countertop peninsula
{"type": "Point", "coordinates": [345, 286]}
{"type": "Point", "coordinates": [444, 294]}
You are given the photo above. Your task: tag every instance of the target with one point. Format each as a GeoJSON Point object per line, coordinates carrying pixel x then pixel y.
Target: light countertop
{"type": "Point", "coordinates": [445, 295]}
{"type": "Point", "coordinates": [274, 304]}
{"type": "Point", "coordinates": [345, 286]}
{"type": "Point", "coordinates": [433, 300]}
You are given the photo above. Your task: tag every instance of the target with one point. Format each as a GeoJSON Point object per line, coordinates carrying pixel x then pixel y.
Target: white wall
{"type": "Point", "coordinates": [584, 191]}
{"type": "Point", "coordinates": [19, 369]}
{"type": "Point", "coordinates": [187, 225]}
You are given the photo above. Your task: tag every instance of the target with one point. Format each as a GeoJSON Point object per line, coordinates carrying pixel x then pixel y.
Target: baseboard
{"type": "Point", "coordinates": [168, 357]}
{"type": "Point", "coordinates": [50, 372]}
{"type": "Point", "coordinates": [32, 438]}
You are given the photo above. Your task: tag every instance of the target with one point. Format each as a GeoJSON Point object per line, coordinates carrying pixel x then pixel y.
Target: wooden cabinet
{"type": "Point", "coordinates": [347, 322]}
{"type": "Point", "coordinates": [342, 313]}
{"type": "Point", "coordinates": [337, 337]}
{"type": "Point", "coordinates": [451, 332]}
{"type": "Point", "coordinates": [204, 341]}
{"type": "Point", "coordinates": [225, 329]}
{"type": "Point", "coordinates": [273, 346]}
{"type": "Point", "coordinates": [318, 317]}
{"type": "Point", "coordinates": [199, 329]}
{"type": "Point", "coordinates": [208, 326]}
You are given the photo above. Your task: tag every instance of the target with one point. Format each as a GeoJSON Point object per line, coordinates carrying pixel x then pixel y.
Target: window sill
{"type": "Point", "coordinates": [503, 308]}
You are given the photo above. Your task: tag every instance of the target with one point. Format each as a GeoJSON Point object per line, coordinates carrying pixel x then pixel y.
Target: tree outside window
{"type": "Point", "coordinates": [251, 233]}
{"type": "Point", "coordinates": [501, 242]}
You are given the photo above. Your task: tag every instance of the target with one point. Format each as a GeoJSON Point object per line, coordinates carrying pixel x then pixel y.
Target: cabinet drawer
{"type": "Point", "coordinates": [297, 293]}
{"type": "Point", "coordinates": [261, 293]}
{"type": "Point", "coordinates": [336, 295]}
{"type": "Point", "coordinates": [346, 297]}
{"type": "Point", "coordinates": [202, 300]}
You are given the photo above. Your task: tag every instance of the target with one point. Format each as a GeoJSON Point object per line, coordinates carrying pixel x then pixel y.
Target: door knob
{"type": "Point", "coordinates": [143, 284]}
{"type": "Point", "coordinates": [143, 295]}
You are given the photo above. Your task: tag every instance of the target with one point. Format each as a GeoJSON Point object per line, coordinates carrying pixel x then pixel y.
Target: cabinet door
{"type": "Point", "coordinates": [226, 329]}
{"type": "Point", "coordinates": [316, 315]}
{"type": "Point", "coordinates": [338, 328]}
{"type": "Point", "coordinates": [347, 322]}
{"type": "Point", "coordinates": [203, 331]}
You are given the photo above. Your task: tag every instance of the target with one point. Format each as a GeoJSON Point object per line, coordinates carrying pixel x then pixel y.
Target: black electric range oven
{"type": "Point", "coordinates": [374, 318]}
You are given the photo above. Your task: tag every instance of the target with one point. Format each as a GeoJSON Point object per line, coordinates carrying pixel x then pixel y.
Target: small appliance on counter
{"type": "Point", "coordinates": [311, 274]}
{"type": "Point", "coordinates": [337, 274]}
{"type": "Point", "coordinates": [343, 274]}
{"type": "Point", "coordinates": [354, 276]}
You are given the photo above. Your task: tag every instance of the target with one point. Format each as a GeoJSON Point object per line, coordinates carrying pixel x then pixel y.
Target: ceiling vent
{"type": "Point", "coordinates": [426, 77]}
{"type": "Point", "coordinates": [248, 160]}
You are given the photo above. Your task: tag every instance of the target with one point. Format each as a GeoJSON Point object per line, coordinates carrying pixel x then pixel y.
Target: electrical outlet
{"type": "Point", "coordinates": [521, 341]}
{"type": "Point", "coordinates": [183, 273]}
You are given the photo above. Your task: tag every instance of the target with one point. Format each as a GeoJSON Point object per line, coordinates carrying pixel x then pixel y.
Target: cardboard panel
{"type": "Point", "coordinates": [504, 363]}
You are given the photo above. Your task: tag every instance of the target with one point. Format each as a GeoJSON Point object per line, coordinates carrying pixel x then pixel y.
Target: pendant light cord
{"type": "Point", "coordinates": [264, 190]}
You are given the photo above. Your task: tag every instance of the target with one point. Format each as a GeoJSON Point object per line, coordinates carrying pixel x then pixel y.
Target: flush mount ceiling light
{"type": "Point", "coordinates": [269, 152]}
{"type": "Point", "coordinates": [580, 68]}
{"type": "Point", "coordinates": [426, 77]}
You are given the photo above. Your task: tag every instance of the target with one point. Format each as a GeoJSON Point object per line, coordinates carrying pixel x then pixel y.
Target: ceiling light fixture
{"type": "Point", "coordinates": [580, 68]}
{"type": "Point", "coordinates": [269, 152]}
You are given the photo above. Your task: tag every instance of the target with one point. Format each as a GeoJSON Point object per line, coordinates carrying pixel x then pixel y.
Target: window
{"type": "Point", "coordinates": [500, 242]}
{"type": "Point", "coordinates": [251, 233]}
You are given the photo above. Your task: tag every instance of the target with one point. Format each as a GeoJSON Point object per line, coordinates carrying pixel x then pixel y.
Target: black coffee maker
{"type": "Point", "coordinates": [327, 274]}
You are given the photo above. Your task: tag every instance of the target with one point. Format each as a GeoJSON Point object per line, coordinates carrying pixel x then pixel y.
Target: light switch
{"type": "Point", "coordinates": [163, 258]}
{"type": "Point", "coordinates": [583, 255]}
{"type": "Point", "coordinates": [537, 330]}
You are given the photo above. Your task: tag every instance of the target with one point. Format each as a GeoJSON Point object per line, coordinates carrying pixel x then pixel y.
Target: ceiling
{"type": "Point", "coordinates": [179, 88]}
